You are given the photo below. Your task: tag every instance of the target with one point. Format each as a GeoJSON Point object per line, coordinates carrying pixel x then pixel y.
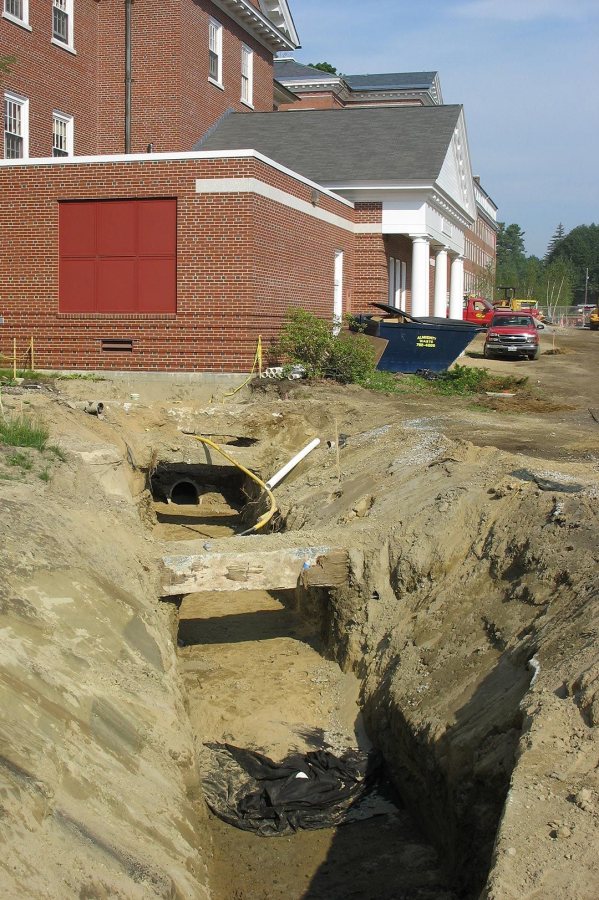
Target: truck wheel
{"type": "Point", "coordinates": [536, 354]}
{"type": "Point", "coordinates": [486, 354]}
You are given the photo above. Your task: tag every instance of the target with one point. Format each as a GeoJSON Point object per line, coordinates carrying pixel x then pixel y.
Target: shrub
{"type": "Point", "coordinates": [312, 343]}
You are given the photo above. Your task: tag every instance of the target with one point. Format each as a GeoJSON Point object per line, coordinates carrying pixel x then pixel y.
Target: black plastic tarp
{"type": "Point", "coordinates": [312, 790]}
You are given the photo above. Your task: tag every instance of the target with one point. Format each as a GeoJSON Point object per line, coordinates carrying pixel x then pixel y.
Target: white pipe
{"type": "Point", "coordinates": [292, 464]}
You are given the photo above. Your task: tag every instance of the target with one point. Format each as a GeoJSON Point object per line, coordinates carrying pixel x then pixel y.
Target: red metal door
{"type": "Point", "coordinates": [118, 256]}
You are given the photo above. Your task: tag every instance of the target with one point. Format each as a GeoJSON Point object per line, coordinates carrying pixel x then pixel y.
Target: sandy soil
{"type": "Point", "coordinates": [469, 625]}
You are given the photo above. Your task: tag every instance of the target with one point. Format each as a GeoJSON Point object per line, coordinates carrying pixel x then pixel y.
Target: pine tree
{"type": "Point", "coordinates": [558, 234]}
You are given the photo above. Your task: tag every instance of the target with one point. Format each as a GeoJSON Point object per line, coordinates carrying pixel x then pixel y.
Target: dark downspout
{"type": "Point", "coordinates": [128, 76]}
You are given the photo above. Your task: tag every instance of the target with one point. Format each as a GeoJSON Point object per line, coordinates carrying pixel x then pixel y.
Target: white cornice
{"type": "Point", "coordinates": [257, 24]}
{"type": "Point", "coordinates": [198, 155]}
{"type": "Point", "coordinates": [278, 11]}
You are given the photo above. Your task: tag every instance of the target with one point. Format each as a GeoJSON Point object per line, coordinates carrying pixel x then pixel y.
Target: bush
{"type": "Point", "coordinates": [311, 342]}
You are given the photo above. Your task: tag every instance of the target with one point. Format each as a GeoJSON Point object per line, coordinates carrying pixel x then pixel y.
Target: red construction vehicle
{"type": "Point", "coordinates": [478, 310]}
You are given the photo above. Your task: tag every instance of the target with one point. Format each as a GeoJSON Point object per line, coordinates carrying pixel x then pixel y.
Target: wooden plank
{"type": "Point", "coordinates": [329, 570]}
{"type": "Point", "coordinates": [267, 570]}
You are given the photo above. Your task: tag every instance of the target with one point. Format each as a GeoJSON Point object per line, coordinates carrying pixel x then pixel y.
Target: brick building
{"type": "Point", "coordinates": [315, 89]}
{"type": "Point", "coordinates": [156, 214]}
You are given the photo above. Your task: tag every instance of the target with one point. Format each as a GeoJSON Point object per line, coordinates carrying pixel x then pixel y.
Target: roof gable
{"type": "Point", "coordinates": [455, 177]}
{"type": "Point", "coordinates": [279, 13]}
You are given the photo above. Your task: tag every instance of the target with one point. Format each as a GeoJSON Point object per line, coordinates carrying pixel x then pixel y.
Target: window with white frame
{"type": "Point", "coordinates": [16, 126]}
{"type": "Point", "coordinates": [62, 22]}
{"type": "Point", "coordinates": [17, 11]}
{"type": "Point", "coordinates": [62, 134]}
{"type": "Point", "coordinates": [215, 52]}
{"type": "Point", "coordinates": [247, 75]}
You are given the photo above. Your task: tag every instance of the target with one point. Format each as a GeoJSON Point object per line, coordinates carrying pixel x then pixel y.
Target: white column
{"type": "Point", "coordinates": [456, 290]}
{"type": "Point", "coordinates": [440, 308]}
{"type": "Point", "coordinates": [420, 275]}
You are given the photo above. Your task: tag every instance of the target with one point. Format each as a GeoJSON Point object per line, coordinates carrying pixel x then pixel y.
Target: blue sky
{"type": "Point", "coordinates": [527, 72]}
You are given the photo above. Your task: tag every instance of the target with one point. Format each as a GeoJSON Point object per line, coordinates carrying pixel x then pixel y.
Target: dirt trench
{"type": "Point", "coordinates": [466, 634]}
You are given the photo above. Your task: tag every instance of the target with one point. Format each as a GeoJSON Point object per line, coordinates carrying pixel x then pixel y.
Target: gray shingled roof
{"type": "Point", "coordinates": [348, 145]}
{"type": "Point", "coordinates": [398, 81]}
{"type": "Point", "coordinates": [290, 70]}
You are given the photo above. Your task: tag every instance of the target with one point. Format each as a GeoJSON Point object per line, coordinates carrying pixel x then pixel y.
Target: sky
{"type": "Point", "coordinates": [526, 71]}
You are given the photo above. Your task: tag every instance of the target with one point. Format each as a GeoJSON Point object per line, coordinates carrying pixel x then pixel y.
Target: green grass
{"type": "Point", "coordinates": [459, 381]}
{"type": "Point", "coordinates": [57, 452]}
{"type": "Point", "coordinates": [44, 475]}
{"type": "Point", "coordinates": [471, 380]}
{"type": "Point", "coordinates": [23, 432]}
{"type": "Point", "coordinates": [27, 375]}
{"type": "Point", "coordinates": [80, 376]}
{"type": "Point", "coordinates": [21, 460]}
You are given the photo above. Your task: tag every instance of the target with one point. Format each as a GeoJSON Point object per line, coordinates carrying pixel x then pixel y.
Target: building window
{"type": "Point", "coordinates": [398, 278]}
{"type": "Point", "coordinates": [247, 75]}
{"type": "Point", "coordinates": [215, 52]}
{"type": "Point", "coordinates": [62, 22]}
{"type": "Point", "coordinates": [17, 11]}
{"type": "Point", "coordinates": [16, 127]}
{"type": "Point", "coordinates": [62, 135]}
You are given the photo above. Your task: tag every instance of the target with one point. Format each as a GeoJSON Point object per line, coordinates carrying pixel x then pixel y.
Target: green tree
{"type": "Point", "coordinates": [558, 234]}
{"type": "Point", "coordinates": [325, 67]}
{"type": "Point", "coordinates": [5, 64]}
{"type": "Point", "coordinates": [580, 247]}
{"type": "Point", "coordinates": [557, 287]}
{"type": "Point", "coordinates": [510, 242]}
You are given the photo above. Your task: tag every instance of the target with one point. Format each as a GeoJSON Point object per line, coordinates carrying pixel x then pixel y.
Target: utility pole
{"type": "Point", "coordinates": [586, 286]}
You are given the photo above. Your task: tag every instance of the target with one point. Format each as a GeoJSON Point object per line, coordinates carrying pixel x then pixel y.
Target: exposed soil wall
{"type": "Point", "coordinates": [96, 750]}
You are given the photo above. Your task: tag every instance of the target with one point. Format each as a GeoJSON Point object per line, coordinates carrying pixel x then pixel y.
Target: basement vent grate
{"type": "Point", "coordinates": [115, 345]}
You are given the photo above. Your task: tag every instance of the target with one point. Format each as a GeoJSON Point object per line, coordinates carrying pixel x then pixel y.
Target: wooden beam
{"type": "Point", "coordinates": [266, 570]}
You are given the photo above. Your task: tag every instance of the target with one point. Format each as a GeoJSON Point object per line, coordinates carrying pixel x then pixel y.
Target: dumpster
{"type": "Point", "coordinates": [426, 343]}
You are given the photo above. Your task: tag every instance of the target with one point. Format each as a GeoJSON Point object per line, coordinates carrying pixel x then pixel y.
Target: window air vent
{"type": "Point", "coordinates": [114, 345]}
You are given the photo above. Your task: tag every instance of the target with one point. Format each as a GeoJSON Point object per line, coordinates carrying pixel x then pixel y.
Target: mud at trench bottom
{"type": "Point", "coordinates": [255, 677]}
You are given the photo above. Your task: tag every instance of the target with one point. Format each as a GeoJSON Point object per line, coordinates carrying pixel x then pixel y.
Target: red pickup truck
{"type": "Point", "coordinates": [513, 334]}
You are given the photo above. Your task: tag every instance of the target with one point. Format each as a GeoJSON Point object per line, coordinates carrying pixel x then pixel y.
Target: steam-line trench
{"type": "Point", "coordinates": [256, 675]}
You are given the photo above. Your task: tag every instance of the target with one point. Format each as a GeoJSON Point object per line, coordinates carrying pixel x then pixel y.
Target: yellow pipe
{"type": "Point", "coordinates": [265, 517]}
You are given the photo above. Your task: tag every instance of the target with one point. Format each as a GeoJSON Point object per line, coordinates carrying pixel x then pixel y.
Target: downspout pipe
{"type": "Point", "coordinates": [128, 76]}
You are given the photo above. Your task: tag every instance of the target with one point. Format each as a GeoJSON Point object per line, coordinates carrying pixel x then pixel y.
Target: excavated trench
{"type": "Point", "coordinates": [273, 671]}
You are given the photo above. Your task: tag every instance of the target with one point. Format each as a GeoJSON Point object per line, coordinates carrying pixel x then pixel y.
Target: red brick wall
{"type": "Point", "coordinates": [480, 251]}
{"type": "Point", "coordinates": [173, 103]}
{"type": "Point", "coordinates": [202, 102]}
{"type": "Point", "coordinates": [242, 260]}
{"type": "Point", "coordinates": [53, 78]}
{"type": "Point", "coordinates": [320, 100]}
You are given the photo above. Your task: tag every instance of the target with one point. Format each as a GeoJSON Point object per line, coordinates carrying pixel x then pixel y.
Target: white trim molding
{"type": "Point", "coordinates": [262, 189]}
{"type": "Point", "coordinates": [21, 119]}
{"type": "Point", "coordinates": [23, 19]}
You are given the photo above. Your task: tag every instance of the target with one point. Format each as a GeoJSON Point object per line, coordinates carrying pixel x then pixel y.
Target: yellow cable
{"type": "Point", "coordinates": [257, 362]}
{"type": "Point", "coordinates": [265, 517]}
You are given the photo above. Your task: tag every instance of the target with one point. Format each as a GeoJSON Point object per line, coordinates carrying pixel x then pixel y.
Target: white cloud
{"type": "Point", "coordinates": [526, 10]}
